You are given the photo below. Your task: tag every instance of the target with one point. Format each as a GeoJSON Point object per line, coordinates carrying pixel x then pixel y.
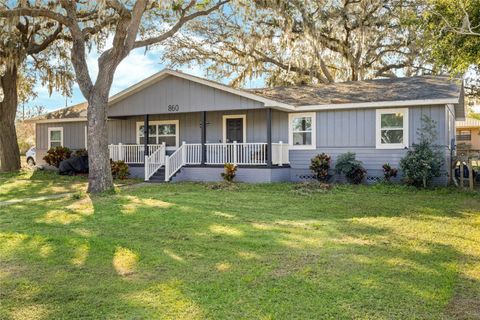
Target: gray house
{"type": "Point", "coordinates": [174, 126]}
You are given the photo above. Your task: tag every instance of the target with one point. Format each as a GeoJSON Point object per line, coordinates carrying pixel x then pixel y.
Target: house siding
{"type": "Point", "coordinates": [188, 95]}
{"type": "Point", "coordinates": [338, 131]}
{"type": "Point", "coordinates": [341, 131]}
{"type": "Point", "coordinates": [124, 130]}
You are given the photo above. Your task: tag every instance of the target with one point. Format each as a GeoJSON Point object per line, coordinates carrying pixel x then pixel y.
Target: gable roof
{"type": "Point", "coordinates": [368, 91]}
{"type": "Point", "coordinates": [167, 72]}
{"type": "Point", "coordinates": [76, 112]}
{"type": "Point", "coordinates": [392, 92]}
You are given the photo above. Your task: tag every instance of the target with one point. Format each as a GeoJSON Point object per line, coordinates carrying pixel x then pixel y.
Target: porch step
{"type": "Point", "coordinates": [159, 176]}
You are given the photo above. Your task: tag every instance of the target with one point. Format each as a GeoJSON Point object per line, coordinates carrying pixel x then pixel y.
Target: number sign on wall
{"type": "Point", "coordinates": [173, 108]}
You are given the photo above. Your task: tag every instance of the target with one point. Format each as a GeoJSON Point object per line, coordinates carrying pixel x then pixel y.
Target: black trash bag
{"type": "Point", "coordinates": [73, 165]}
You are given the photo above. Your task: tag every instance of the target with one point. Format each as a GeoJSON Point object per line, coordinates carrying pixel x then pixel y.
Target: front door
{"type": "Point", "coordinates": [235, 130]}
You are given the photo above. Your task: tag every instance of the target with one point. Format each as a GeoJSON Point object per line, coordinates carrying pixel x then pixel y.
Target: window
{"type": "Point", "coordinates": [464, 135]}
{"type": "Point", "coordinates": [392, 128]}
{"type": "Point", "coordinates": [55, 137]}
{"type": "Point", "coordinates": [159, 132]}
{"type": "Point", "coordinates": [302, 130]}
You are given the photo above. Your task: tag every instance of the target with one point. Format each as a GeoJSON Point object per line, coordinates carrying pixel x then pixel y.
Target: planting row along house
{"type": "Point", "coordinates": [195, 126]}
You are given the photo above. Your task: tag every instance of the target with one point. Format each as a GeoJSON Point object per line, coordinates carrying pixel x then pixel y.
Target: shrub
{"type": "Point", "coordinates": [424, 161]}
{"type": "Point", "coordinates": [56, 155]}
{"type": "Point", "coordinates": [119, 169]}
{"type": "Point", "coordinates": [230, 172]}
{"type": "Point", "coordinates": [81, 153]}
{"type": "Point", "coordinates": [352, 168]}
{"type": "Point", "coordinates": [320, 164]}
{"type": "Point", "coordinates": [389, 172]}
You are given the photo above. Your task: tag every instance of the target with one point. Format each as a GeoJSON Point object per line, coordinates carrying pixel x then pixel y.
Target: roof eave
{"type": "Point", "coordinates": [379, 104]}
{"type": "Point", "coordinates": [57, 120]}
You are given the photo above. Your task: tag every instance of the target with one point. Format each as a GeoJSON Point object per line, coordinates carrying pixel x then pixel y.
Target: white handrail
{"type": "Point", "coordinates": [174, 162]}
{"type": "Point", "coordinates": [154, 162]}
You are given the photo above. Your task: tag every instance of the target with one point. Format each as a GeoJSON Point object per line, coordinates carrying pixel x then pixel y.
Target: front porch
{"type": "Point", "coordinates": [167, 142]}
{"type": "Point", "coordinates": [155, 157]}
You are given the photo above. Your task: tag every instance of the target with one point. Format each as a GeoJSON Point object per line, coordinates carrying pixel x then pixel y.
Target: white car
{"type": "Point", "coordinates": [31, 156]}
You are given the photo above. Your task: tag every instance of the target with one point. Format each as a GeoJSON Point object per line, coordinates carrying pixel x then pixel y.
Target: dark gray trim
{"type": "Point", "coordinates": [145, 134]}
{"type": "Point", "coordinates": [203, 126]}
{"type": "Point", "coordinates": [269, 137]}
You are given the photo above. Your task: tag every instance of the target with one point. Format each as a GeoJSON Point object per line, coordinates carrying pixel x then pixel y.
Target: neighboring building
{"type": "Point", "coordinates": [270, 133]}
{"type": "Point", "coordinates": [468, 134]}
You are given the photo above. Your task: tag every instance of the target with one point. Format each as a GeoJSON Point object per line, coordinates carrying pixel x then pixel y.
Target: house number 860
{"type": "Point", "coordinates": [173, 107]}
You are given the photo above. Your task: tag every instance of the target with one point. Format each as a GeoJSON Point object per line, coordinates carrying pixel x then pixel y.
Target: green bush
{"type": "Point", "coordinates": [120, 169]}
{"type": "Point", "coordinates": [389, 172]}
{"type": "Point", "coordinates": [320, 164]}
{"type": "Point", "coordinates": [230, 172]}
{"type": "Point", "coordinates": [56, 155]}
{"type": "Point", "coordinates": [352, 168]}
{"type": "Point", "coordinates": [80, 153]}
{"type": "Point", "coordinates": [421, 165]}
{"type": "Point", "coordinates": [424, 161]}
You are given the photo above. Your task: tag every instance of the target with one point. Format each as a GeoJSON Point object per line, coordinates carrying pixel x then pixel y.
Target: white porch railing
{"type": "Point", "coordinates": [191, 154]}
{"type": "Point", "coordinates": [280, 154]}
{"type": "Point", "coordinates": [154, 162]}
{"type": "Point", "coordinates": [236, 153]}
{"type": "Point", "coordinates": [131, 153]}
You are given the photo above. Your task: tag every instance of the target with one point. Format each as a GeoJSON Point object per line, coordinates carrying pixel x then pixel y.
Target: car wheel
{"type": "Point", "coordinates": [30, 162]}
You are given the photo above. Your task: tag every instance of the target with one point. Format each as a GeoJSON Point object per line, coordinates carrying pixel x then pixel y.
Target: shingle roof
{"type": "Point", "coordinates": [75, 111]}
{"type": "Point", "coordinates": [379, 90]}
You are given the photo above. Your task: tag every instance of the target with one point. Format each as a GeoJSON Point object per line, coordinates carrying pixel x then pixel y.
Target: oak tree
{"type": "Point", "coordinates": [132, 24]}
{"type": "Point", "coordinates": [305, 41]}
{"type": "Point", "coordinates": [27, 54]}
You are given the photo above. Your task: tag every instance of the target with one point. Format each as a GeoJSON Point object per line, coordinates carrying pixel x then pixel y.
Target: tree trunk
{"type": "Point", "coordinates": [100, 174]}
{"type": "Point", "coordinates": [9, 152]}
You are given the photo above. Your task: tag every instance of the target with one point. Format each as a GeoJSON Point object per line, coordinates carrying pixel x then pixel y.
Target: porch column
{"type": "Point", "coordinates": [269, 137]}
{"type": "Point", "coordinates": [145, 135]}
{"type": "Point", "coordinates": [203, 126]}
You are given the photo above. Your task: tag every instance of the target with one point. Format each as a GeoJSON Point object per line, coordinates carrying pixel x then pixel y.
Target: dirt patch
{"type": "Point", "coordinates": [299, 263]}
{"type": "Point", "coordinates": [465, 303]}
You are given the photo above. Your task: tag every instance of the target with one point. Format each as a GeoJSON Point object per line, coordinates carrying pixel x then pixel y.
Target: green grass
{"type": "Point", "coordinates": [185, 251]}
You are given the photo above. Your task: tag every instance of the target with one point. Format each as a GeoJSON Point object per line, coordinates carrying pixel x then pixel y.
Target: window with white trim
{"type": "Point", "coordinates": [302, 130]}
{"type": "Point", "coordinates": [55, 137]}
{"type": "Point", "coordinates": [392, 128]}
{"type": "Point", "coordinates": [159, 132]}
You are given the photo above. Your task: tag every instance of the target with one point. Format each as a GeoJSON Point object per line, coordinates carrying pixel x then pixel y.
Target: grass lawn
{"type": "Point", "coordinates": [186, 251]}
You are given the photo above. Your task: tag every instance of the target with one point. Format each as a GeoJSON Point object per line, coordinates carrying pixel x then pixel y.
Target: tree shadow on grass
{"type": "Point", "coordinates": [180, 252]}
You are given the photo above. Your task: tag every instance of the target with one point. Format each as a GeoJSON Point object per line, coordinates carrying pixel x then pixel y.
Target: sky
{"type": "Point", "coordinates": [136, 67]}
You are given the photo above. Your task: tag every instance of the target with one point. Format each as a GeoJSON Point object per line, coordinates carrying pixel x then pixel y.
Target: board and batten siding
{"type": "Point", "coordinates": [189, 96]}
{"type": "Point", "coordinates": [73, 136]}
{"type": "Point", "coordinates": [124, 130]}
{"type": "Point", "coordinates": [354, 130]}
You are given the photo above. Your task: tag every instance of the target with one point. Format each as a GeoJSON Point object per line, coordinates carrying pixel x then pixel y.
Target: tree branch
{"type": "Point", "coordinates": [184, 19]}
